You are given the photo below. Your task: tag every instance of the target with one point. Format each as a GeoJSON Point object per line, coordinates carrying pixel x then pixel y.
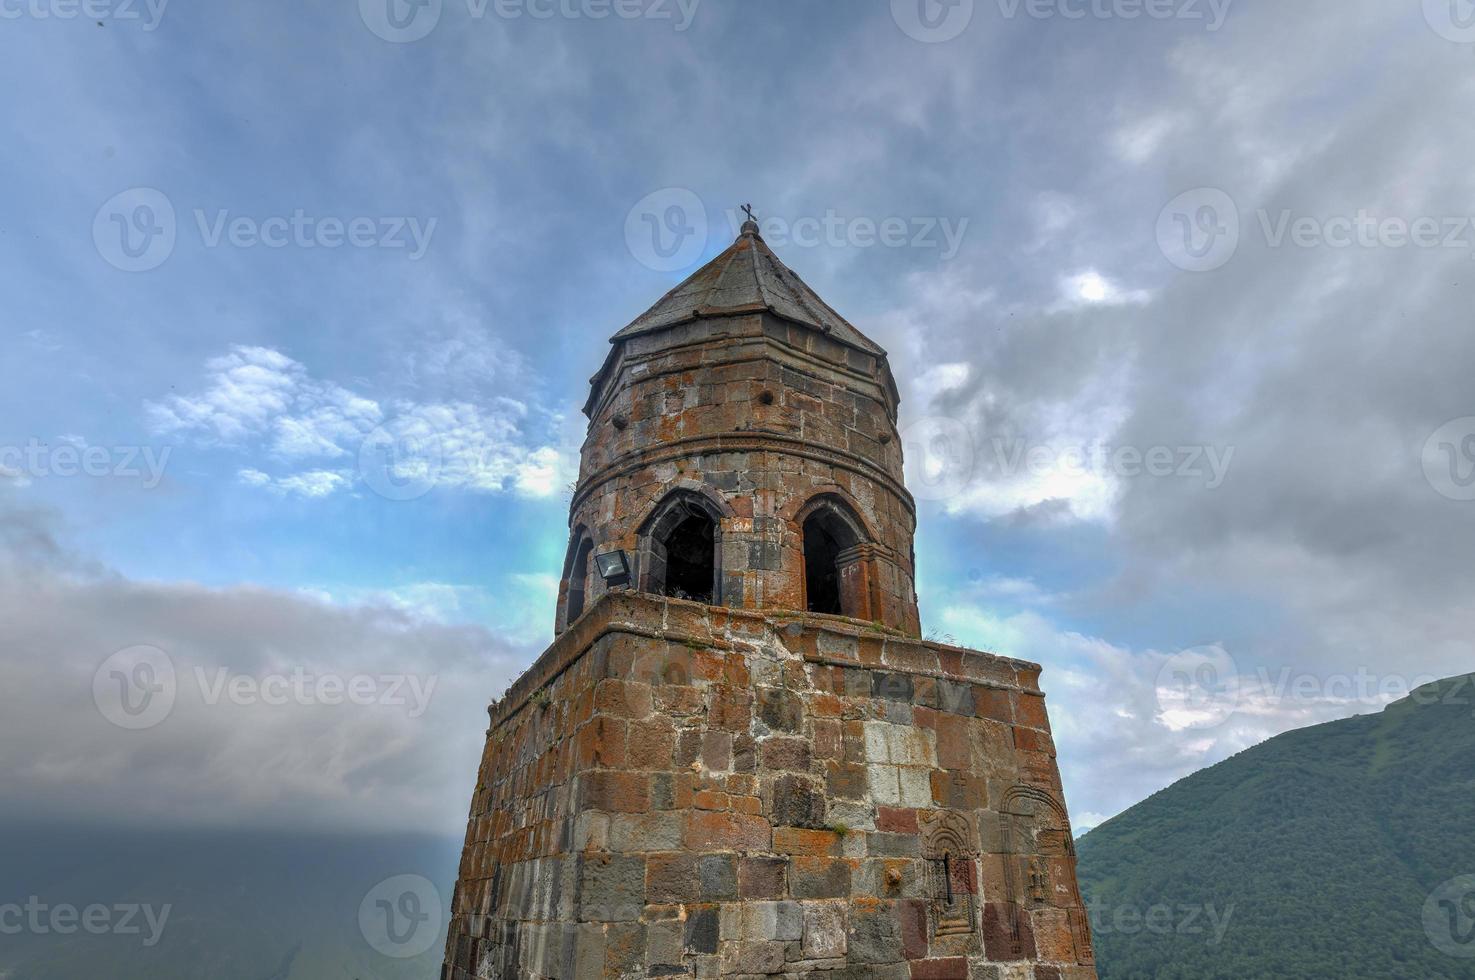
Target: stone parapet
{"type": "Point", "coordinates": [677, 789]}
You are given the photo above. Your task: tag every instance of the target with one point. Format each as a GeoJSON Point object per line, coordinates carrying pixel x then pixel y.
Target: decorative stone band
{"type": "Point", "coordinates": [865, 551]}
{"type": "Point", "coordinates": [830, 640]}
{"type": "Point", "coordinates": [623, 360]}
{"type": "Point", "coordinates": [692, 446]}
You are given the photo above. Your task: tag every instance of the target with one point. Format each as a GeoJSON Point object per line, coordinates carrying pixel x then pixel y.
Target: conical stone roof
{"type": "Point", "coordinates": [748, 278]}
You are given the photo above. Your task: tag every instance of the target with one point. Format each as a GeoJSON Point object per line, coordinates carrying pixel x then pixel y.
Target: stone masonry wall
{"type": "Point", "coordinates": [762, 416]}
{"type": "Point", "coordinates": [684, 790]}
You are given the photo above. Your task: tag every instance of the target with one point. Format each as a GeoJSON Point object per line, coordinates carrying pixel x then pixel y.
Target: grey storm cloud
{"type": "Point", "coordinates": [282, 710]}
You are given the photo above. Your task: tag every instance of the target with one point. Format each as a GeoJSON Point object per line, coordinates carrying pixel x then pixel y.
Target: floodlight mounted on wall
{"type": "Point", "coordinates": [614, 568]}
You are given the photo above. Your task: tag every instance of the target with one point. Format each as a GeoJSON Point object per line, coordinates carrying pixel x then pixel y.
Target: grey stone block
{"type": "Point", "coordinates": [718, 875]}
{"type": "Point", "coordinates": [824, 930]}
{"type": "Point", "coordinates": [891, 687]}
{"type": "Point", "coordinates": [611, 889]}
{"type": "Point", "coordinates": [788, 922]}
{"type": "Point", "coordinates": [703, 928]}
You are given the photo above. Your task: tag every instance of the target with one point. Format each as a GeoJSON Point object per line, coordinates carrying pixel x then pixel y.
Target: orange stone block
{"type": "Point", "coordinates": [811, 843]}
{"type": "Point", "coordinates": [707, 831]}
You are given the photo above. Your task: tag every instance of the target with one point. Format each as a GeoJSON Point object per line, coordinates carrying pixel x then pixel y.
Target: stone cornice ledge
{"type": "Point", "coordinates": [831, 640]}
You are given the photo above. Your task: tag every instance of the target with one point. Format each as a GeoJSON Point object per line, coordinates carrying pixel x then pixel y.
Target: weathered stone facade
{"type": "Point", "coordinates": [759, 419]}
{"type": "Point", "coordinates": [779, 779]}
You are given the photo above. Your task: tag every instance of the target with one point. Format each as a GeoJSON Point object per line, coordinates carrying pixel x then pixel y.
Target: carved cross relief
{"type": "Point", "coordinates": [951, 871]}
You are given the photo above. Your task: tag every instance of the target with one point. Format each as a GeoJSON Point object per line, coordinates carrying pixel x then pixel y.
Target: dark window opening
{"type": "Point", "coordinates": [821, 568]}
{"type": "Point", "coordinates": [691, 560]}
{"type": "Point", "coordinates": [578, 576]}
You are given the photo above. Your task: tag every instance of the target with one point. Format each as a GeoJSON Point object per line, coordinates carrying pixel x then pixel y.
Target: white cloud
{"type": "Point", "coordinates": [1138, 141]}
{"type": "Point", "coordinates": [1129, 722]}
{"type": "Point", "coordinates": [248, 388]}
{"type": "Point", "coordinates": [1091, 288]}
{"type": "Point", "coordinates": [311, 483]}
{"type": "Point", "coordinates": [544, 473]}
{"type": "Point", "coordinates": [257, 400]}
{"type": "Point", "coordinates": [944, 377]}
{"type": "Point", "coordinates": [314, 483]}
{"type": "Point", "coordinates": [520, 607]}
{"type": "Point", "coordinates": [1009, 589]}
{"type": "Point", "coordinates": [14, 477]}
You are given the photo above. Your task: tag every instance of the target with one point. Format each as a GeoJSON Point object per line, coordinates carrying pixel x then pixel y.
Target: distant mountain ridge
{"type": "Point", "coordinates": [1336, 851]}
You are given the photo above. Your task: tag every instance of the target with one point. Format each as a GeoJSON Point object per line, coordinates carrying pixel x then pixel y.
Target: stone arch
{"type": "Point", "coordinates": [1027, 801]}
{"type": "Point", "coordinates": [799, 507]}
{"type": "Point", "coordinates": [1038, 851]}
{"type": "Point", "coordinates": [839, 555]}
{"type": "Point", "coordinates": [950, 857]}
{"type": "Point", "coordinates": [573, 589]}
{"type": "Point", "coordinates": [680, 550]}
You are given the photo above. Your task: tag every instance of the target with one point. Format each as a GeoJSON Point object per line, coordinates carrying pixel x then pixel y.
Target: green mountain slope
{"type": "Point", "coordinates": [1314, 854]}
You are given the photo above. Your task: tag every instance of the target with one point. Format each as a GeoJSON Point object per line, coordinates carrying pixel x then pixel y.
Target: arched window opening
{"type": "Point", "coordinates": [691, 559]}
{"type": "Point", "coordinates": [821, 568]}
{"type": "Point", "coordinates": [578, 580]}
{"type": "Point", "coordinates": [834, 573]}
{"type": "Point", "coordinates": [681, 548]}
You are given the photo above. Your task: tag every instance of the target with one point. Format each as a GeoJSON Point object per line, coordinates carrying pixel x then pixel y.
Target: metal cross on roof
{"type": "Point", "coordinates": [748, 210]}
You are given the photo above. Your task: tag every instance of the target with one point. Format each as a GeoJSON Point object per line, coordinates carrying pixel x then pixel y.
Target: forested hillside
{"type": "Point", "coordinates": [1315, 854]}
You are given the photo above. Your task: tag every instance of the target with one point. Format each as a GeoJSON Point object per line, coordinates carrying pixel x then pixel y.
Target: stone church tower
{"type": "Point", "coordinates": [739, 758]}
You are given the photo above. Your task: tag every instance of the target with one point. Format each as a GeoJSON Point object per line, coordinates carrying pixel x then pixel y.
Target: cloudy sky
{"type": "Point", "coordinates": [302, 300]}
